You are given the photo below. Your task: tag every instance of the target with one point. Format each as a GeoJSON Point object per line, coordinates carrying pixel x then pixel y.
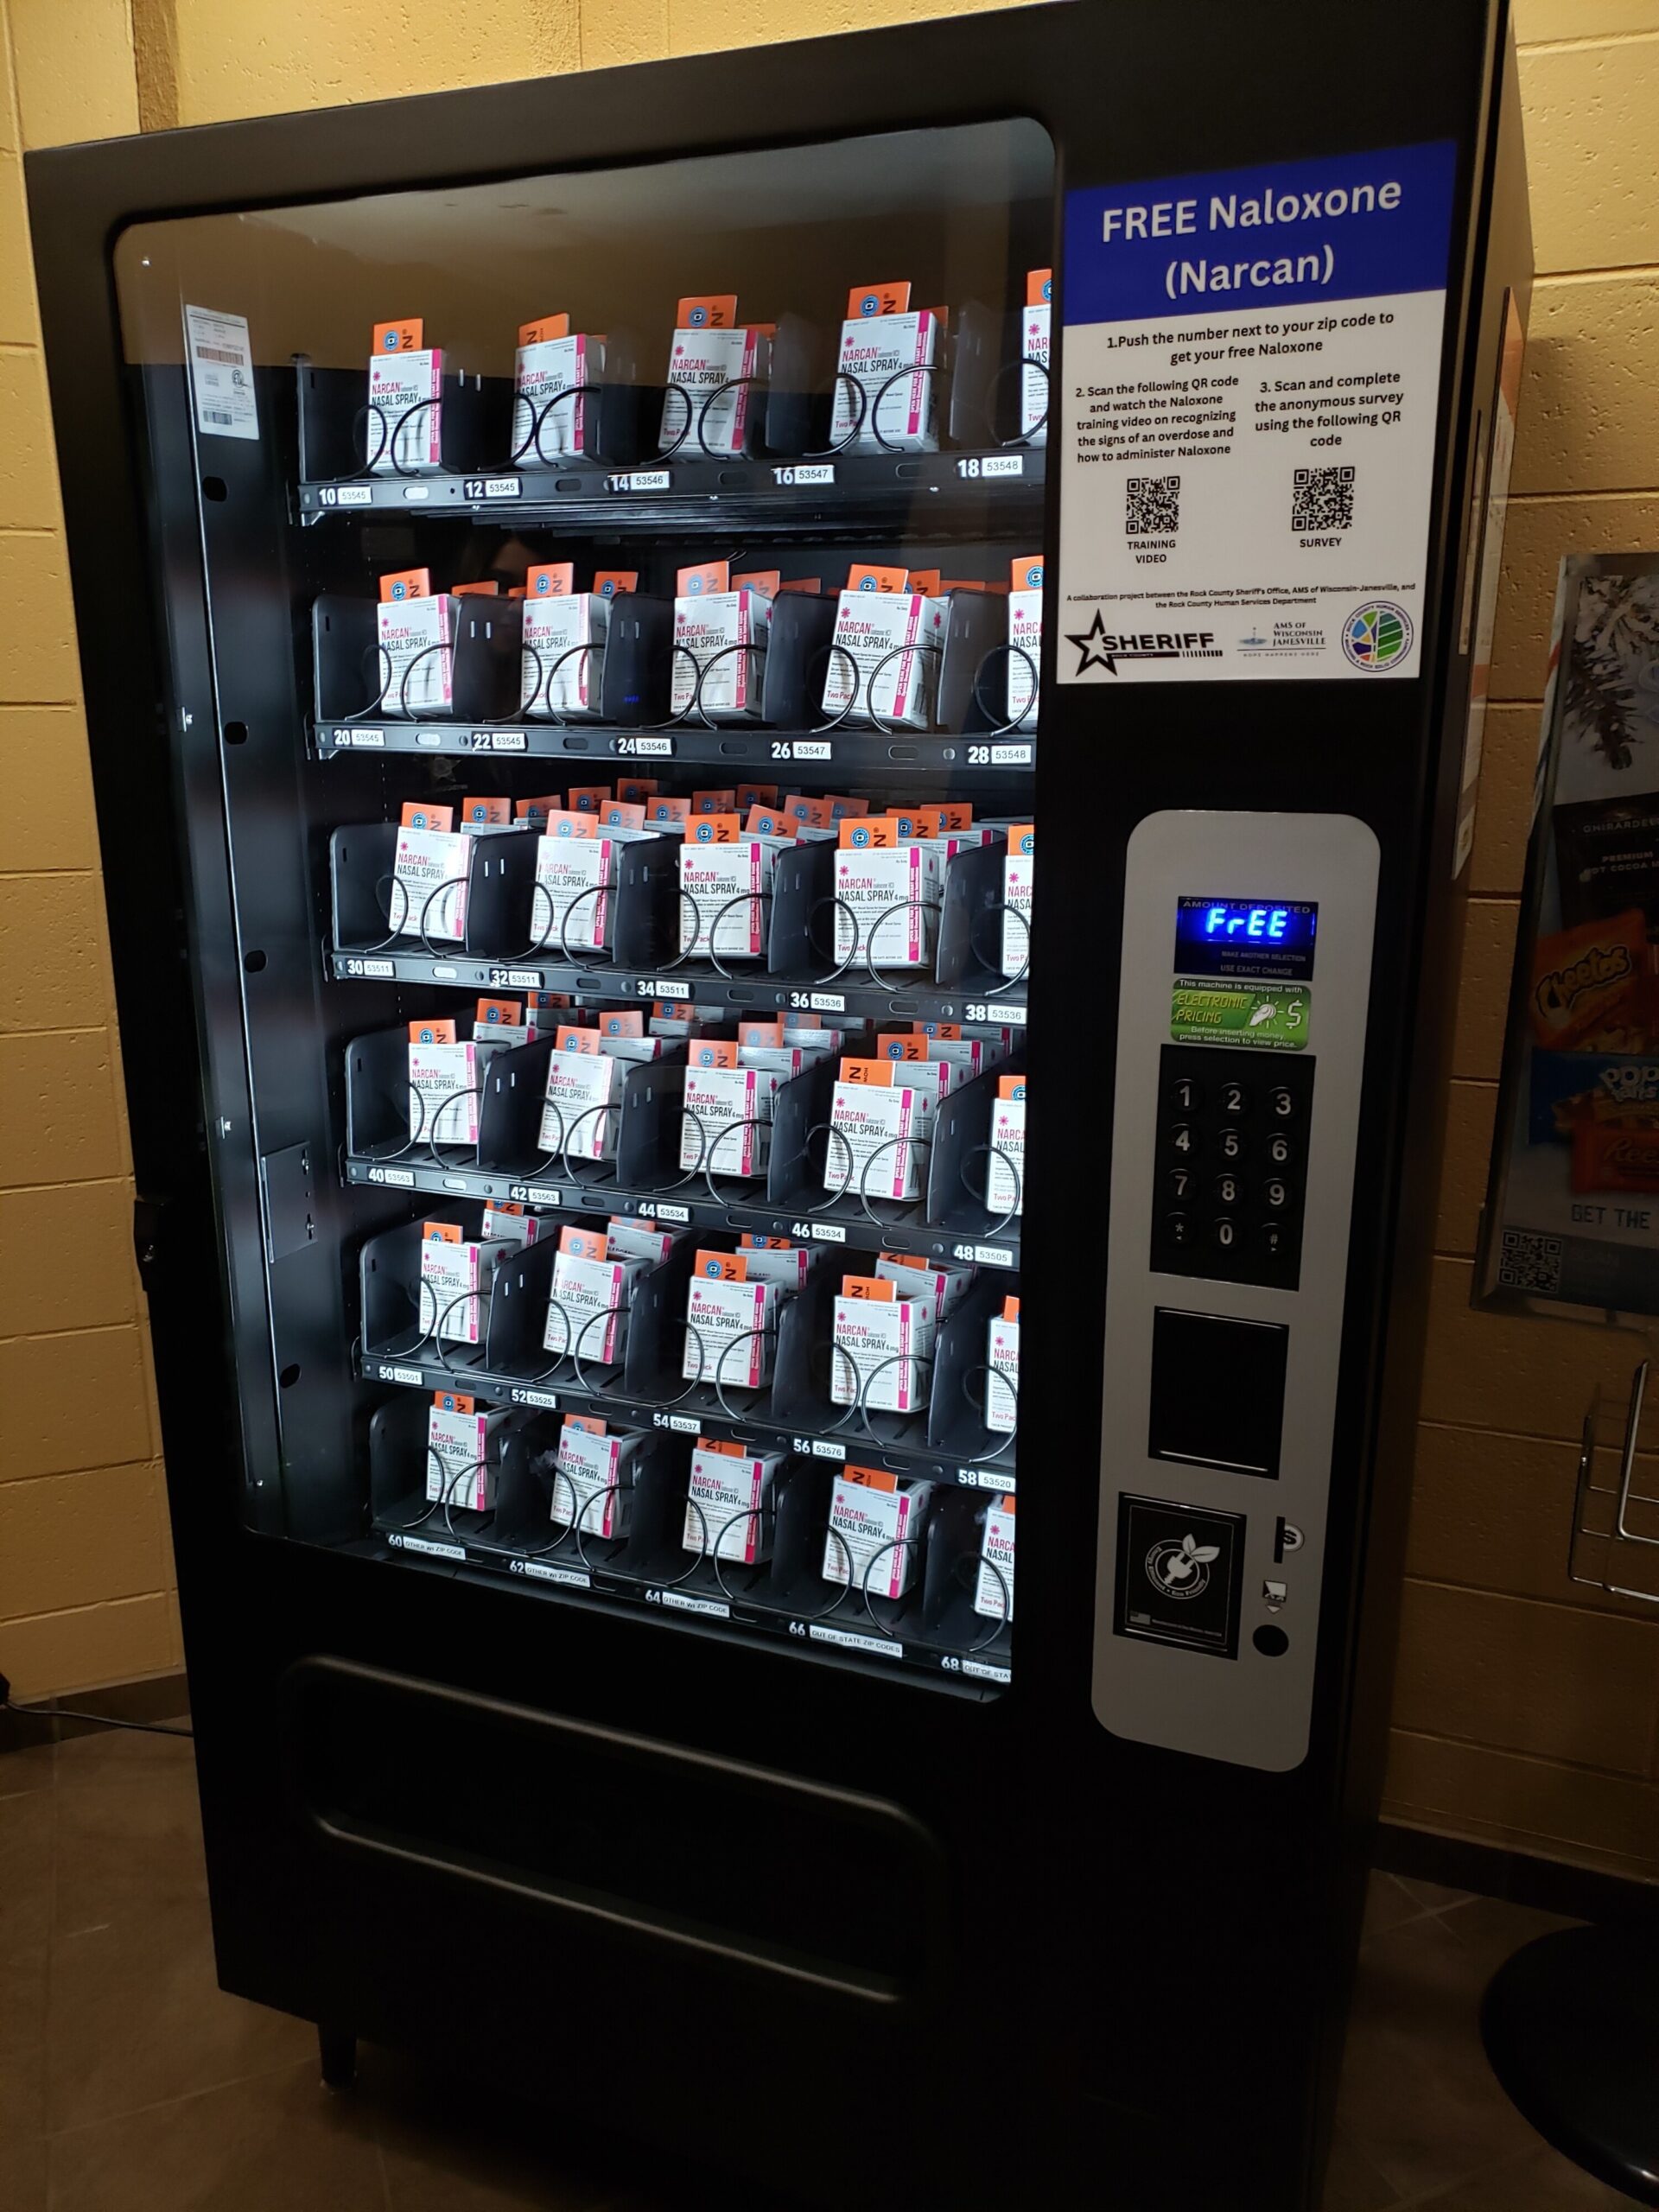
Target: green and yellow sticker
{"type": "Point", "coordinates": [1273, 1015]}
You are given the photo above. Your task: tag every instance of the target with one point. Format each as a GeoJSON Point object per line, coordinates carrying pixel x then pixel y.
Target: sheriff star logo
{"type": "Point", "coordinates": [1089, 651]}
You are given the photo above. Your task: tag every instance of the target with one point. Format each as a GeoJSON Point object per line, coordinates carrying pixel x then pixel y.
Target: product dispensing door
{"type": "Point", "coordinates": [798, 866]}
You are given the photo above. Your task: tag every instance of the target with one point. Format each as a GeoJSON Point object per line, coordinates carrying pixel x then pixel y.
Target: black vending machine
{"type": "Point", "coordinates": [588, 591]}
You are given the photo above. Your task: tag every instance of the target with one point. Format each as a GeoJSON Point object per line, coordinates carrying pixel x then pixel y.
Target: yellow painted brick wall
{"type": "Point", "coordinates": [85, 1571]}
{"type": "Point", "coordinates": [1527, 1708]}
{"type": "Point", "coordinates": [1525, 1712]}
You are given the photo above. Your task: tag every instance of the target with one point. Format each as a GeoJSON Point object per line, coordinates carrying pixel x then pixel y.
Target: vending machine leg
{"type": "Point", "coordinates": [337, 2048]}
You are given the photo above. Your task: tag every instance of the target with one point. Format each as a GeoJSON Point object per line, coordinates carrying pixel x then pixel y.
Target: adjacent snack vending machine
{"type": "Point", "coordinates": [679, 661]}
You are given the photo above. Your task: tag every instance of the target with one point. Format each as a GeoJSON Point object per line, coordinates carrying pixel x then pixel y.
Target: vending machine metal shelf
{"type": "Point", "coordinates": [968, 494]}
{"type": "Point", "coordinates": [856, 756]}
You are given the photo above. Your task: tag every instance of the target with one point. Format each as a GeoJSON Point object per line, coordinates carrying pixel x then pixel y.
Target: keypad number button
{"type": "Point", "coordinates": [1230, 1145]}
{"type": "Point", "coordinates": [1184, 1095]}
{"type": "Point", "coordinates": [1227, 1190]}
{"type": "Point", "coordinates": [1183, 1138]}
{"type": "Point", "coordinates": [1281, 1103]}
{"type": "Point", "coordinates": [1224, 1230]}
{"type": "Point", "coordinates": [1180, 1182]}
{"type": "Point", "coordinates": [1273, 1239]}
{"type": "Point", "coordinates": [1234, 1099]}
{"type": "Point", "coordinates": [1178, 1230]}
{"type": "Point", "coordinates": [1281, 1151]}
{"type": "Point", "coordinates": [1277, 1194]}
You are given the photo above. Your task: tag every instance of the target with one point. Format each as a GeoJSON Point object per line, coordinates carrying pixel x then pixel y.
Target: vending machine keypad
{"type": "Point", "coordinates": [1232, 1163]}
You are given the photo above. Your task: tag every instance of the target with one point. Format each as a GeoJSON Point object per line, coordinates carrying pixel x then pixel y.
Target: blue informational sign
{"type": "Point", "coordinates": [1345, 226]}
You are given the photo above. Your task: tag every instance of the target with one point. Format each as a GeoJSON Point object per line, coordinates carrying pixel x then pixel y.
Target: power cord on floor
{"type": "Point", "coordinates": [71, 1712]}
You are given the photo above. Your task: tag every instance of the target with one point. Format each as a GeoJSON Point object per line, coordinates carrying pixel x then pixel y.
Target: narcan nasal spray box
{"type": "Point", "coordinates": [503, 1023]}
{"type": "Point", "coordinates": [405, 402]}
{"type": "Point", "coordinates": [721, 628]}
{"type": "Point", "coordinates": [593, 1480]}
{"type": "Point", "coordinates": [883, 1343]}
{"type": "Point", "coordinates": [628, 1237]}
{"type": "Point", "coordinates": [727, 1124]}
{"type": "Point", "coordinates": [444, 1080]}
{"type": "Point", "coordinates": [580, 1109]}
{"type": "Point", "coordinates": [775, 1259]}
{"type": "Point", "coordinates": [1019, 874]}
{"type": "Point", "coordinates": [886, 383]}
{"type": "Point", "coordinates": [561, 667]}
{"type": "Point", "coordinates": [994, 1587]}
{"type": "Point", "coordinates": [1034, 356]}
{"type": "Point", "coordinates": [416, 629]}
{"type": "Point", "coordinates": [463, 1448]}
{"type": "Point", "coordinates": [510, 1226]}
{"type": "Point", "coordinates": [725, 888]}
{"type": "Point", "coordinates": [943, 1285]}
{"type": "Point", "coordinates": [888, 892]}
{"type": "Point", "coordinates": [884, 660]}
{"type": "Point", "coordinates": [711, 350]}
{"type": "Point", "coordinates": [873, 1540]}
{"type": "Point", "coordinates": [550, 408]}
{"type": "Point", "coordinates": [728, 1502]}
{"type": "Point", "coordinates": [456, 1272]}
{"type": "Point", "coordinates": [729, 1338]}
{"type": "Point", "coordinates": [880, 1125]}
{"type": "Point", "coordinates": [587, 1315]}
{"type": "Point", "coordinates": [1005, 1178]}
{"type": "Point", "coordinates": [1025, 653]}
{"type": "Point", "coordinates": [576, 868]}
{"type": "Point", "coordinates": [1002, 1358]}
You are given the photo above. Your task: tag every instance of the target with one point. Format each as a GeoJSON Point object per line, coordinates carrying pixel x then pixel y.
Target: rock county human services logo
{"type": "Point", "coordinates": [1378, 635]}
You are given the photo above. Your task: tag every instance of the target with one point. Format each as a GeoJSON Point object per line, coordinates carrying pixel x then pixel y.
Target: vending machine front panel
{"type": "Point", "coordinates": [619, 604]}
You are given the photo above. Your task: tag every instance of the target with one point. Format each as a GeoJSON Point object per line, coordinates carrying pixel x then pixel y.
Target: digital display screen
{"type": "Point", "coordinates": [1268, 937]}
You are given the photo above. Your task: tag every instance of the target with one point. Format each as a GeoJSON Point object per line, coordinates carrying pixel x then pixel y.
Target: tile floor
{"type": "Point", "coordinates": [128, 2083]}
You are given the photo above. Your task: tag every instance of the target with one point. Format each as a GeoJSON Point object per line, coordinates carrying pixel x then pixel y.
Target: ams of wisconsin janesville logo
{"type": "Point", "coordinates": [1099, 647]}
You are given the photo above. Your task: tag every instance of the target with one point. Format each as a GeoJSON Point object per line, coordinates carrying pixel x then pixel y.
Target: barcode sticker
{"type": "Point", "coordinates": [221, 374]}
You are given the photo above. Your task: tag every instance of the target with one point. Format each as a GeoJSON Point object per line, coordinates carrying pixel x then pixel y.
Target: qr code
{"type": "Point", "coordinates": [1322, 498]}
{"type": "Point", "coordinates": [1528, 1260]}
{"type": "Point", "coordinates": [1151, 506]}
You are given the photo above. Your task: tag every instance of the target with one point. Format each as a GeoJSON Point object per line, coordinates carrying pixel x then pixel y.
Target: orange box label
{"type": "Point", "coordinates": [867, 300]}
{"type": "Point", "coordinates": [720, 1267]}
{"type": "Point", "coordinates": [550, 579]}
{"type": "Point", "coordinates": [863, 577]}
{"type": "Point", "coordinates": [615, 584]}
{"type": "Point", "coordinates": [765, 581]}
{"type": "Point", "coordinates": [491, 1011]}
{"type": "Point", "coordinates": [439, 1232]}
{"type": "Point", "coordinates": [582, 1243]}
{"type": "Point", "coordinates": [701, 578]}
{"type": "Point", "coordinates": [875, 1289]}
{"type": "Point", "coordinates": [548, 327]}
{"type": "Point", "coordinates": [706, 311]}
{"type": "Point", "coordinates": [432, 1032]}
{"type": "Point", "coordinates": [400, 337]}
{"type": "Point", "coordinates": [406, 583]}
{"type": "Point", "coordinates": [417, 815]}
{"type": "Point", "coordinates": [491, 811]}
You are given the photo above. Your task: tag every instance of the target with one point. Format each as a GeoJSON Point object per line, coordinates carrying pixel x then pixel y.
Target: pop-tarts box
{"type": "Point", "coordinates": [886, 383]}
{"type": "Point", "coordinates": [405, 399]}
{"type": "Point", "coordinates": [1568, 1087]}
